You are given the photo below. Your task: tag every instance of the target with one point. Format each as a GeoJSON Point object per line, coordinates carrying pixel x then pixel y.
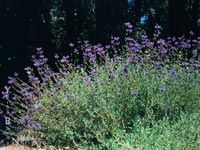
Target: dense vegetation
{"type": "Point", "coordinates": [139, 94]}
{"type": "Point", "coordinates": [110, 85]}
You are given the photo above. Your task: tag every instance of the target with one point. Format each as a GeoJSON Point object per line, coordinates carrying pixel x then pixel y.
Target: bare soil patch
{"type": "Point", "coordinates": [18, 147]}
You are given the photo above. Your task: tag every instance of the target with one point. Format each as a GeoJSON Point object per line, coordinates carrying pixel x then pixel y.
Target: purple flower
{"type": "Point", "coordinates": [58, 85]}
{"type": "Point", "coordinates": [36, 125]}
{"type": "Point", "coordinates": [65, 59]}
{"type": "Point", "coordinates": [135, 58]}
{"type": "Point", "coordinates": [116, 38]}
{"type": "Point", "coordinates": [158, 64]}
{"type": "Point", "coordinates": [39, 48]}
{"type": "Point", "coordinates": [2, 142]}
{"type": "Point", "coordinates": [34, 80]}
{"type": "Point", "coordinates": [128, 25]}
{"type": "Point", "coordinates": [172, 72]}
{"type": "Point", "coordinates": [191, 33]}
{"type": "Point", "coordinates": [11, 113]}
{"type": "Point", "coordinates": [37, 105]}
{"type": "Point", "coordinates": [162, 89]}
{"type": "Point", "coordinates": [71, 44]}
{"type": "Point", "coordinates": [12, 80]}
{"type": "Point", "coordinates": [100, 51]}
{"type": "Point", "coordinates": [28, 95]}
{"type": "Point", "coordinates": [24, 119]}
{"type": "Point", "coordinates": [16, 74]}
{"type": "Point", "coordinates": [6, 93]}
{"type": "Point", "coordinates": [158, 27]}
{"type": "Point", "coordinates": [87, 80]}
{"type": "Point", "coordinates": [185, 64]}
{"type": "Point", "coordinates": [38, 62]}
{"type": "Point", "coordinates": [108, 46]}
{"type": "Point", "coordinates": [31, 112]}
{"type": "Point", "coordinates": [93, 58]}
{"type": "Point", "coordinates": [157, 31]}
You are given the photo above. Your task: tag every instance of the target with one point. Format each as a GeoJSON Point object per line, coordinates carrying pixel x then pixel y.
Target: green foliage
{"type": "Point", "coordinates": [117, 109]}
{"type": "Point", "coordinates": [182, 135]}
{"type": "Point", "coordinates": [108, 95]}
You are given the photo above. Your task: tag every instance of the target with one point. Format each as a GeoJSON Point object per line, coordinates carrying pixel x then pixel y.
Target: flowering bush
{"type": "Point", "coordinates": [110, 89]}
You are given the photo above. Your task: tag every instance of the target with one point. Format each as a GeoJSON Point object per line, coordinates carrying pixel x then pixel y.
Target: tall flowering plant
{"type": "Point", "coordinates": [24, 99]}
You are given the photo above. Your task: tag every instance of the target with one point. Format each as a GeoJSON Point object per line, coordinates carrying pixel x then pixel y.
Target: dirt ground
{"type": "Point", "coordinates": [18, 147]}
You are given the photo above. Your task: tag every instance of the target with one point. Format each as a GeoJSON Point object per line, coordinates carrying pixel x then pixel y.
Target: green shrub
{"type": "Point", "coordinates": [182, 135]}
{"type": "Point", "coordinates": [111, 92]}
{"type": "Point", "coordinates": [89, 109]}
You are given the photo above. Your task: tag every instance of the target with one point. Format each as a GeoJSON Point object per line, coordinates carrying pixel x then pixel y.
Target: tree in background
{"type": "Point", "coordinates": [97, 20]}
{"type": "Point", "coordinates": [110, 18]}
{"type": "Point", "coordinates": [146, 13]}
{"type": "Point", "coordinates": [194, 12]}
{"type": "Point", "coordinates": [57, 23]}
{"type": "Point", "coordinates": [177, 17]}
{"type": "Point", "coordinates": [157, 14]}
{"type": "Point", "coordinates": [80, 19]}
{"type": "Point", "coordinates": [86, 20]}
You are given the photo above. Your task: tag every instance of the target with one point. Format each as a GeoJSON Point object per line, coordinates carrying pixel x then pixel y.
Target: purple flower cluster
{"type": "Point", "coordinates": [39, 61]}
{"type": "Point", "coordinates": [26, 121]}
{"type": "Point", "coordinates": [23, 98]}
{"type": "Point", "coordinates": [5, 93]}
{"type": "Point", "coordinates": [87, 80]}
{"type": "Point", "coordinates": [92, 52]}
{"type": "Point", "coordinates": [129, 27]}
